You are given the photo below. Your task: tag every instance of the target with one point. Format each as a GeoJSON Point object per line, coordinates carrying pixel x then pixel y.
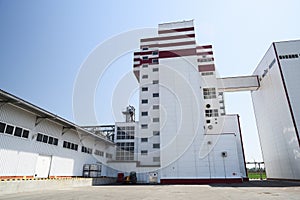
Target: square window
{"type": "Point", "coordinates": [144, 126]}
{"type": "Point", "coordinates": [155, 61]}
{"type": "Point", "coordinates": [145, 58]}
{"type": "Point", "coordinates": [39, 137]}
{"type": "Point", "coordinates": [55, 142]}
{"type": "Point", "coordinates": [156, 133]}
{"type": "Point", "coordinates": [144, 139]}
{"type": "Point", "coordinates": [155, 69]}
{"type": "Point", "coordinates": [2, 127]}
{"type": "Point", "coordinates": [145, 76]}
{"type": "Point", "coordinates": [156, 146]}
{"type": "Point", "coordinates": [144, 101]}
{"type": "Point", "coordinates": [144, 113]}
{"type": "Point", "coordinates": [155, 81]}
{"type": "Point", "coordinates": [144, 89]}
{"type": "Point", "coordinates": [144, 152]}
{"type": "Point", "coordinates": [156, 119]}
{"type": "Point", "coordinates": [50, 141]}
{"type": "Point", "coordinates": [45, 138]}
{"type": "Point", "coordinates": [18, 132]}
{"type": "Point", "coordinates": [154, 53]}
{"type": "Point", "coordinates": [145, 66]}
{"type": "Point", "coordinates": [155, 107]}
{"type": "Point", "coordinates": [145, 48]}
{"type": "Point", "coordinates": [25, 134]}
{"type": "Point", "coordinates": [9, 129]}
{"type": "Point", "coordinates": [155, 95]}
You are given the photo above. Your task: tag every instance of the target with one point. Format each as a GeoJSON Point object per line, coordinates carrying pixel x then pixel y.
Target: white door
{"type": "Point", "coordinates": [42, 168]}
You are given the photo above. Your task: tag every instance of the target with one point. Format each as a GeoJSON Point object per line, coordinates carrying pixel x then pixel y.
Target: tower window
{"type": "Point", "coordinates": [209, 93]}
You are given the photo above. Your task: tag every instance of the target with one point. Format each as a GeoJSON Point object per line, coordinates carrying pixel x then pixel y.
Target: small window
{"type": "Point", "coordinates": [144, 113]}
{"type": "Point", "coordinates": [156, 133]}
{"type": "Point", "coordinates": [145, 58]}
{"type": "Point", "coordinates": [145, 48]}
{"type": "Point", "coordinates": [144, 152]}
{"type": "Point", "coordinates": [18, 132]}
{"type": "Point", "coordinates": [39, 137]}
{"type": "Point", "coordinates": [156, 159]}
{"type": "Point", "coordinates": [144, 101]}
{"type": "Point", "coordinates": [155, 81]}
{"type": "Point", "coordinates": [45, 138]}
{"type": "Point", "coordinates": [9, 129]}
{"type": "Point", "coordinates": [155, 69]}
{"type": "Point", "coordinates": [144, 126]}
{"type": "Point", "coordinates": [154, 53]}
{"type": "Point", "coordinates": [156, 119]}
{"type": "Point", "coordinates": [155, 94]}
{"type": "Point", "coordinates": [145, 66]}
{"type": "Point", "coordinates": [209, 93]}
{"type": "Point", "coordinates": [50, 141]}
{"type": "Point", "coordinates": [144, 139]}
{"type": "Point", "coordinates": [155, 107]}
{"type": "Point", "coordinates": [55, 142]}
{"type": "Point", "coordinates": [25, 134]}
{"type": "Point", "coordinates": [211, 113]}
{"type": "Point", "coordinates": [145, 76]}
{"type": "Point", "coordinates": [155, 61]}
{"type": "Point", "coordinates": [2, 127]}
{"type": "Point", "coordinates": [156, 146]}
{"type": "Point", "coordinates": [144, 89]}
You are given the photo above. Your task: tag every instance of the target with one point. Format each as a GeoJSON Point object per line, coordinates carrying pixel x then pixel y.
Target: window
{"type": "Point", "coordinates": [145, 66]}
{"type": "Point", "coordinates": [155, 107]}
{"type": "Point", "coordinates": [155, 69]}
{"type": "Point", "coordinates": [145, 58]}
{"type": "Point", "coordinates": [2, 127]}
{"type": "Point", "coordinates": [86, 150]}
{"type": "Point", "coordinates": [18, 132]}
{"type": "Point", "coordinates": [125, 151]}
{"type": "Point", "coordinates": [156, 119]}
{"type": "Point", "coordinates": [209, 93]}
{"type": "Point", "coordinates": [156, 133]}
{"type": "Point", "coordinates": [207, 73]}
{"type": "Point", "coordinates": [9, 129]}
{"type": "Point", "coordinates": [156, 146]}
{"type": "Point", "coordinates": [145, 76]}
{"type": "Point", "coordinates": [144, 101]}
{"type": "Point", "coordinates": [156, 159]}
{"type": "Point", "coordinates": [154, 53]}
{"type": "Point", "coordinates": [144, 89]}
{"type": "Point", "coordinates": [144, 152]}
{"type": "Point", "coordinates": [44, 138]}
{"type": "Point", "coordinates": [144, 126]}
{"type": "Point", "coordinates": [99, 153]}
{"type": "Point", "coordinates": [108, 155]}
{"type": "Point", "coordinates": [155, 95]}
{"type": "Point", "coordinates": [211, 113]}
{"type": "Point", "coordinates": [155, 61]}
{"type": "Point", "coordinates": [70, 145]}
{"type": "Point", "coordinates": [144, 139]}
{"type": "Point", "coordinates": [155, 81]}
{"type": "Point", "coordinates": [144, 113]}
{"type": "Point", "coordinates": [125, 133]}
{"type": "Point", "coordinates": [25, 134]}
{"type": "Point", "coordinates": [145, 48]}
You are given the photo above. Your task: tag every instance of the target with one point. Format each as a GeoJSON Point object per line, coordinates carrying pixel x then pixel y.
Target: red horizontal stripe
{"type": "Point", "coordinates": [168, 38]}
{"type": "Point", "coordinates": [204, 47]}
{"type": "Point", "coordinates": [206, 68]}
{"type": "Point", "coordinates": [176, 30]}
{"type": "Point", "coordinates": [204, 53]}
{"type": "Point", "coordinates": [177, 53]}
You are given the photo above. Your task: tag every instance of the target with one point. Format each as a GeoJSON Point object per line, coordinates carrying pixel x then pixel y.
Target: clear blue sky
{"type": "Point", "coordinates": [44, 42]}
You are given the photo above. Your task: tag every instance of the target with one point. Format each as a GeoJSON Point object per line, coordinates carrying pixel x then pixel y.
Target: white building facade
{"type": "Point", "coordinates": [37, 144]}
{"type": "Point", "coordinates": [277, 109]}
{"type": "Point", "coordinates": [183, 129]}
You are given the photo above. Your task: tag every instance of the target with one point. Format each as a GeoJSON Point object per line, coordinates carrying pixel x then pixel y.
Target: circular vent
{"type": "Point", "coordinates": [210, 127]}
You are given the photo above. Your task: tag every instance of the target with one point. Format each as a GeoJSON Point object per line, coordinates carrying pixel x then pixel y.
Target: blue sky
{"type": "Point", "coordinates": [43, 43]}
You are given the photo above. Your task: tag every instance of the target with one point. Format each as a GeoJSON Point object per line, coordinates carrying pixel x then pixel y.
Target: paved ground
{"type": "Point", "coordinates": [253, 190]}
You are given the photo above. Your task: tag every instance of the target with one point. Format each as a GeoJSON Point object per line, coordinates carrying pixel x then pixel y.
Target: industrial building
{"type": "Point", "coordinates": [277, 109]}
{"type": "Point", "coordinates": [183, 135]}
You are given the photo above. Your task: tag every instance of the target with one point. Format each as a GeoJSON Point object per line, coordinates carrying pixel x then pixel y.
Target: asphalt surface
{"type": "Point", "coordinates": [253, 190]}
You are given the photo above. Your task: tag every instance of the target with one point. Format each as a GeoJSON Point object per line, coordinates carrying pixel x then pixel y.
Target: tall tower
{"type": "Point", "coordinates": [183, 128]}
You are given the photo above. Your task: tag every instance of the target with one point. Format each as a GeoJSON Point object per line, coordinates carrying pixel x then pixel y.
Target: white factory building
{"type": "Point", "coordinates": [183, 135]}
{"type": "Point", "coordinates": [277, 109]}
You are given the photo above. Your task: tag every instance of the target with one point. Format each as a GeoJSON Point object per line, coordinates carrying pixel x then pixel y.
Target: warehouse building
{"type": "Point", "coordinates": [35, 143]}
